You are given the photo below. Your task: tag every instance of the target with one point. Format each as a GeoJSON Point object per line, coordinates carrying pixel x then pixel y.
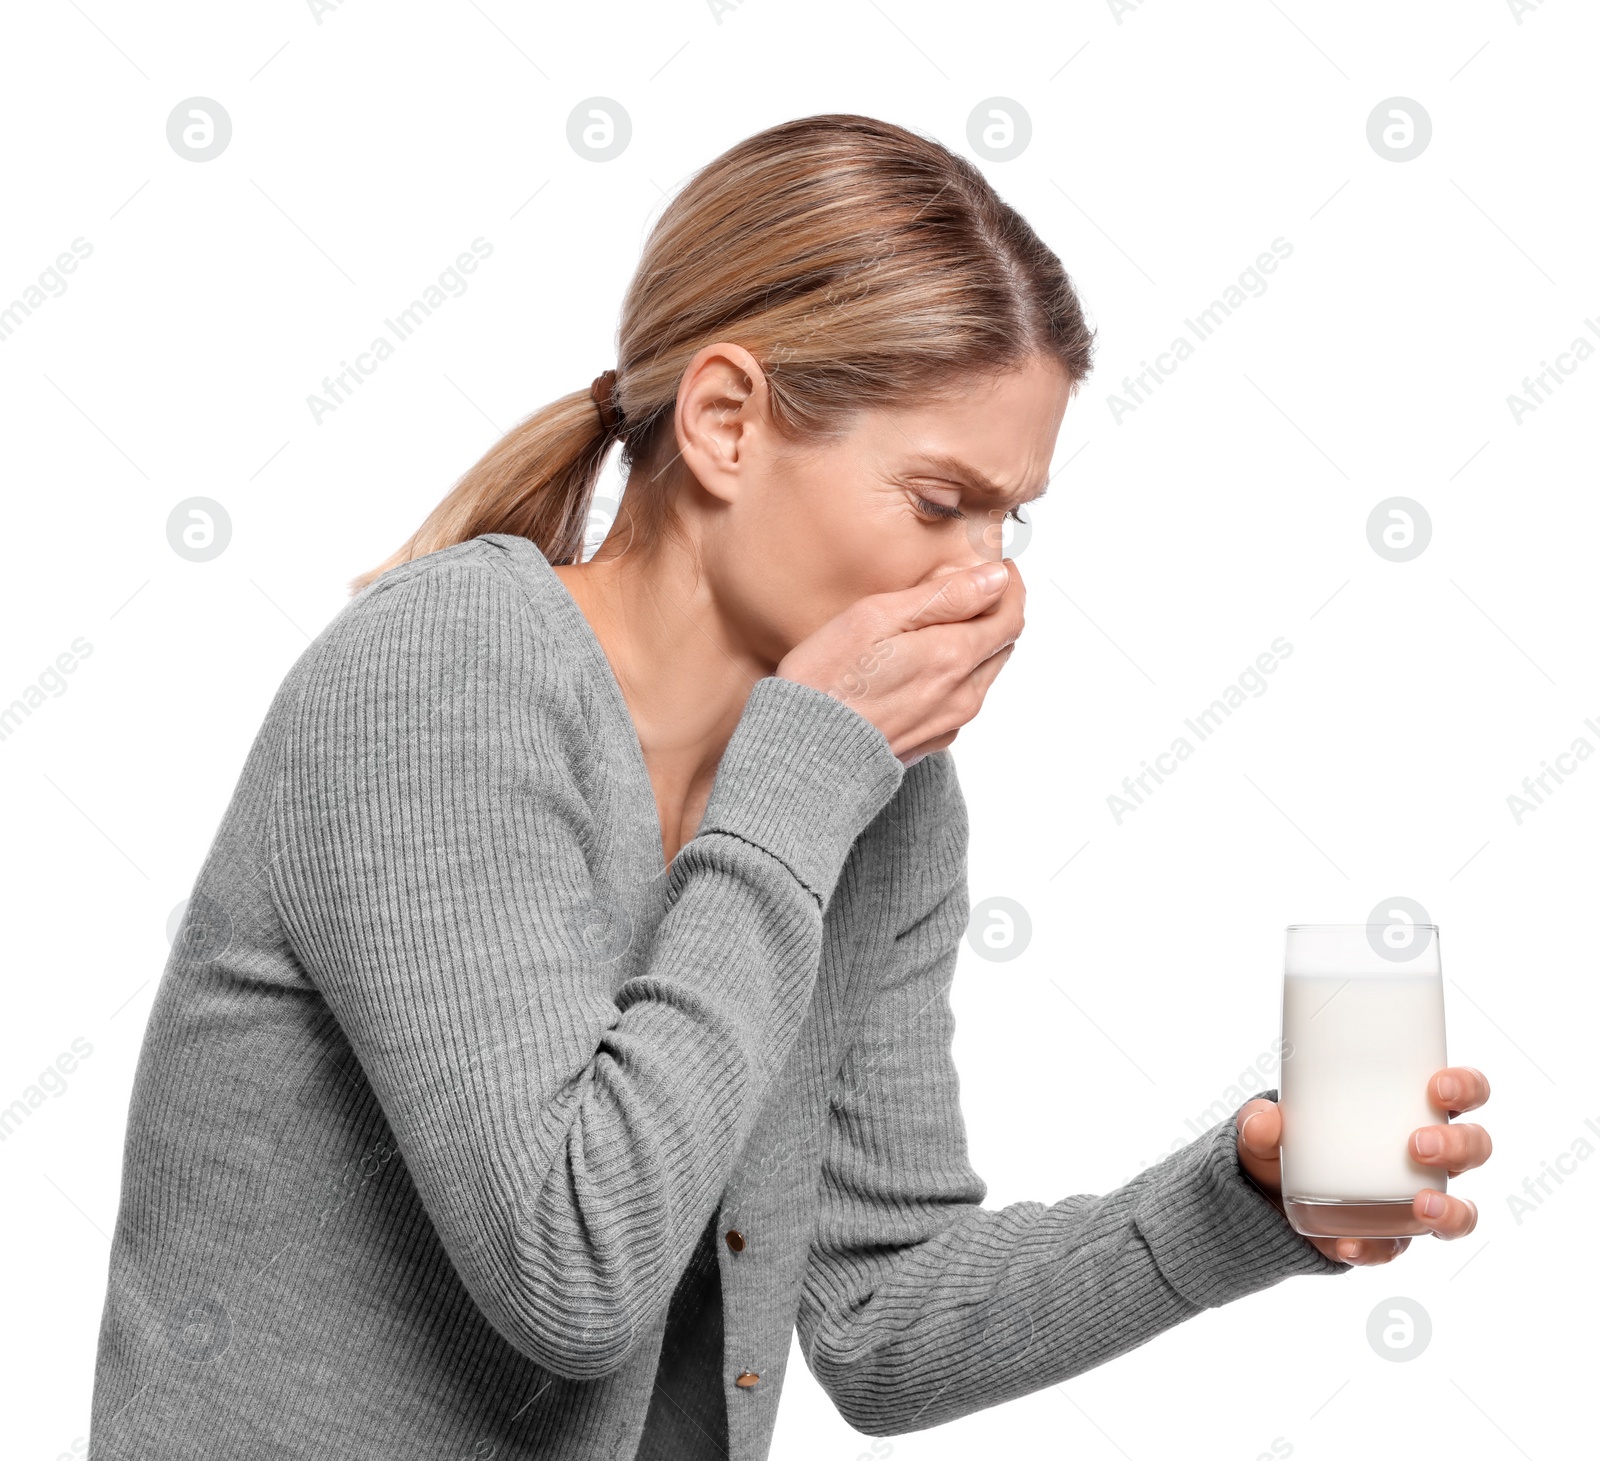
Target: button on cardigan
{"type": "Point", "coordinates": [449, 1085]}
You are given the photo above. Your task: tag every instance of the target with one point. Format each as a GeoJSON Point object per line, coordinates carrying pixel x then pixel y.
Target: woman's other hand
{"type": "Point", "coordinates": [1456, 1148]}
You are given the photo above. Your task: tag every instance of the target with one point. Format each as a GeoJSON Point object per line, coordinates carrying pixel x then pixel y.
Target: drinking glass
{"type": "Point", "coordinates": [1363, 1033]}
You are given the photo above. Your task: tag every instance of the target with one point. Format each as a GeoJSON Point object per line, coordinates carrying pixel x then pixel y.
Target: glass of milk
{"type": "Point", "coordinates": [1363, 1033]}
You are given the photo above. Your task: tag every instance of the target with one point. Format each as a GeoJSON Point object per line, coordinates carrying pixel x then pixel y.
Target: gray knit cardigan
{"type": "Point", "coordinates": [463, 1128]}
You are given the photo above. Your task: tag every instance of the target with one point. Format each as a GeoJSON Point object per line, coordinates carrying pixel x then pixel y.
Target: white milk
{"type": "Point", "coordinates": [1359, 1051]}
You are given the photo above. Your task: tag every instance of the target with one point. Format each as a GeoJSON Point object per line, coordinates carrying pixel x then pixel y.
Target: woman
{"type": "Point", "coordinates": [562, 1014]}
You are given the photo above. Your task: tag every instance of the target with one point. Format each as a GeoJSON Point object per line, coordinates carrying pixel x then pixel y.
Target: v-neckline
{"type": "Point", "coordinates": [580, 632]}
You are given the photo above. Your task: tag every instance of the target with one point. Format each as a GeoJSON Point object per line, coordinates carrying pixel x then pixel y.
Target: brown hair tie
{"type": "Point", "coordinates": [601, 391]}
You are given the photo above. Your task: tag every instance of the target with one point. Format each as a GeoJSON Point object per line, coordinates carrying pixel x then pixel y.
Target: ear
{"type": "Point", "coordinates": [722, 415]}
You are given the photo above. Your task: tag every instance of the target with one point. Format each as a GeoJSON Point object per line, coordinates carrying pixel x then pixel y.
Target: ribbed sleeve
{"type": "Point", "coordinates": [919, 1304]}
{"type": "Point", "coordinates": [1215, 1235]}
{"type": "Point", "coordinates": [779, 788]}
{"type": "Point", "coordinates": [568, 1129]}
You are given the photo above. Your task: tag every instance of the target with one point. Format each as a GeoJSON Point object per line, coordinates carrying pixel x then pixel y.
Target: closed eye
{"type": "Point", "coordinates": [939, 509]}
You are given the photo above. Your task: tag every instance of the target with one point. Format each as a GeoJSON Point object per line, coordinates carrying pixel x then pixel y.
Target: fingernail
{"type": "Point", "coordinates": [992, 575]}
{"type": "Point", "coordinates": [1245, 1129]}
{"type": "Point", "coordinates": [1429, 1143]}
{"type": "Point", "coordinates": [1433, 1204]}
{"type": "Point", "coordinates": [1349, 1249]}
{"type": "Point", "coordinates": [1449, 1087]}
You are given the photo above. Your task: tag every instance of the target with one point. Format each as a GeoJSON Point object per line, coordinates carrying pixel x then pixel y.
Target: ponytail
{"type": "Point", "coordinates": [537, 481]}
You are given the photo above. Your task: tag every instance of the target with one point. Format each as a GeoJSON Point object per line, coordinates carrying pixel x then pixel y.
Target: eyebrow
{"type": "Point", "coordinates": [963, 471]}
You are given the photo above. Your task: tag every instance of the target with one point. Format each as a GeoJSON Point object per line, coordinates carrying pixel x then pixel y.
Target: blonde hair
{"type": "Point", "coordinates": [860, 263]}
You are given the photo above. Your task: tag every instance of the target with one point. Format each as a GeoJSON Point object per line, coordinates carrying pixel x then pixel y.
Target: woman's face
{"type": "Point", "coordinates": [792, 536]}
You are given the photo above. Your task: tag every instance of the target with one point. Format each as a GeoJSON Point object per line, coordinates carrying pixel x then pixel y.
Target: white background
{"type": "Point", "coordinates": [1170, 146]}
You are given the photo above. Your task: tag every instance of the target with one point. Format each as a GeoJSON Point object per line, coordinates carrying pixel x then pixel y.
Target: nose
{"type": "Point", "coordinates": [986, 536]}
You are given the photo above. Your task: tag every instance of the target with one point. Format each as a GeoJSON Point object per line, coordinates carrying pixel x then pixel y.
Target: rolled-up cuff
{"type": "Point", "coordinates": [1214, 1234]}
{"type": "Point", "coordinates": [802, 776]}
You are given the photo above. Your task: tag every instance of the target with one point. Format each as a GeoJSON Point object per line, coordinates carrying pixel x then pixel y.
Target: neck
{"type": "Point", "coordinates": [684, 675]}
